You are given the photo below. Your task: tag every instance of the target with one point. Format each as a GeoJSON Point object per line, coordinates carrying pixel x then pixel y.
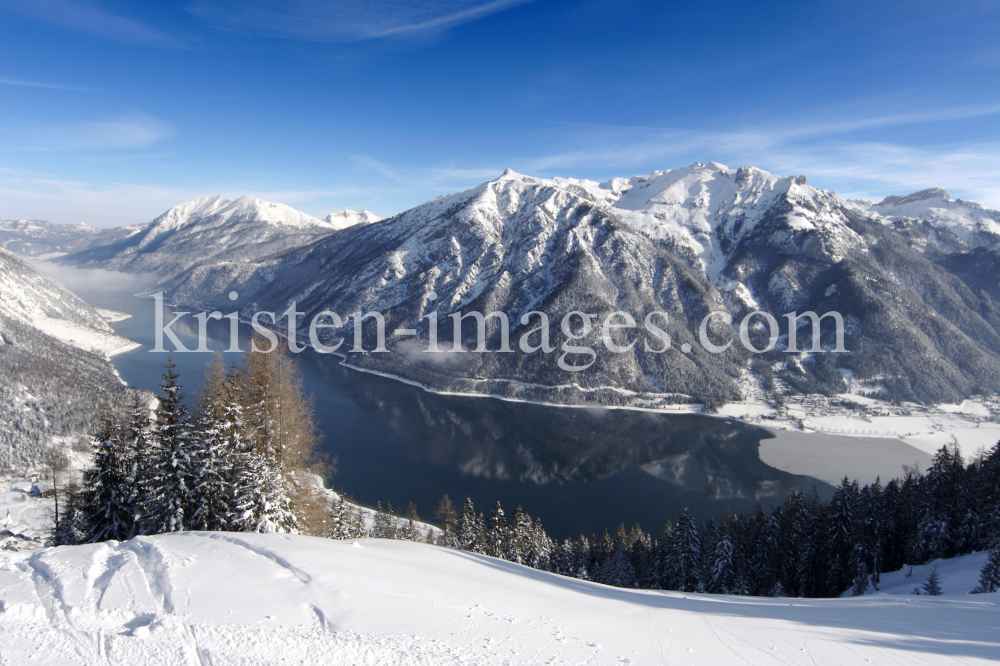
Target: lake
{"type": "Point", "coordinates": [578, 469]}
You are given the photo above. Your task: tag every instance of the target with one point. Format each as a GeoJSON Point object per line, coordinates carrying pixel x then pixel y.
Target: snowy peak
{"type": "Point", "coordinates": [964, 218]}
{"type": "Point", "coordinates": [220, 211]}
{"type": "Point", "coordinates": [920, 198]}
{"type": "Point", "coordinates": [211, 229]}
{"type": "Point", "coordinates": [349, 218]}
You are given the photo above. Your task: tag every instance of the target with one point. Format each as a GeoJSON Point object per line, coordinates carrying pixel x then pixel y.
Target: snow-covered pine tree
{"type": "Point", "coordinates": [541, 547]}
{"type": "Point", "coordinates": [686, 555]}
{"type": "Point", "coordinates": [841, 529]}
{"type": "Point", "coordinates": [581, 558]}
{"type": "Point", "coordinates": [105, 501]}
{"type": "Point", "coordinates": [467, 531]}
{"type": "Point", "coordinates": [600, 551]}
{"type": "Point", "coordinates": [642, 558]}
{"type": "Point", "coordinates": [616, 569]}
{"type": "Point", "coordinates": [338, 519]}
{"type": "Point", "coordinates": [663, 562]}
{"type": "Point", "coordinates": [208, 457]}
{"type": "Point", "coordinates": [68, 530]}
{"type": "Point", "coordinates": [766, 563]}
{"type": "Point", "coordinates": [141, 440]}
{"type": "Point", "coordinates": [861, 577]}
{"type": "Point", "coordinates": [520, 535]}
{"type": "Point", "coordinates": [892, 532]}
{"type": "Point", "coordinates": [169, 490]}
{"type": "Point", "coordinates": [561, 559]}
{"type": "Point", "coordinates": [496, 534]}
{"type": "Point", "coordinates": [723, 574]}
{"type": "Point", "coordinates": [382, 524]}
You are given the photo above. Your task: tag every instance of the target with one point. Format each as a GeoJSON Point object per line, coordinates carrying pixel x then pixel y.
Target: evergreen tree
{"type": "Point", "coordinates": [723, 572]}
{"type": "Point", "coordinates": [617, 569]}
{"type": "Point", "coordinates": [520, 535]}
{"type": "Point", "coordinates": [841, 538]}
{"type": "Point", "coordinates": [106, 501]}
{"type": "Point", "coordinates": [68, 530]}
{"type": "Point", "coordinates": [382, 524]}
{"type": "Point", "coordinates": [932, 585]}
{"type": "Point", "coordinates": [496, 534]}
{"type": "Point", "coordinates": [169, 492]}
{"type": "Point", "coordinates": [541, 548]}
{"type": "Point", "coordinates": [686, 554]}
{"type": "Point", "coordinates": [469, 530]}
{"type": "Point", "coordinates": [208, 506]}
{"type": "Point", "coordinates": [989, 576]}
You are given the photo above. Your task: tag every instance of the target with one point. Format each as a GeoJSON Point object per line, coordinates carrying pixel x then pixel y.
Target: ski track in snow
{"type": "Point", "coordinates": [221, 598]}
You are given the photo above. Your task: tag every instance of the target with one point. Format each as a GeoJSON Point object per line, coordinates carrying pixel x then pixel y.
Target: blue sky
{"type": "Point", "coordinates": [111, 112]}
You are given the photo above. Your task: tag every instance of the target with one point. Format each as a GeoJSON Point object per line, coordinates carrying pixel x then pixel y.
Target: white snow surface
{"type": "Point", "coordinates": [228, 598]}
{"type": "Point", "coordinates": [956, 576]}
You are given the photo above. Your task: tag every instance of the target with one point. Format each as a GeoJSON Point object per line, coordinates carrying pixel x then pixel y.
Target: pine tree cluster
{"type": "Point", "coordinates": [230, 464]}
{"type": "Point", "coordinates": [805, 547]}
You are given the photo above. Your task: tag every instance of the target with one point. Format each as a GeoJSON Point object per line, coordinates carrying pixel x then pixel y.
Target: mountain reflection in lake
{"type": "Point", "coordinates": [578, 469]}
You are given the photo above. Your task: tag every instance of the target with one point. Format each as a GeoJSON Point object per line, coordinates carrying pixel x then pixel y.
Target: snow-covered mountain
{"type": "Point", "coordinates": [211, 230]}
{"type": "Point", "coordinates": [229, 598]}
{"type": "Point", "coordinates": [969, 220]}
{"type": "Point", "coordinates": [54, 365]}
{"type": "Point", "coordinates": [920, 322]}
{"type": "Point", "coordinates": [516, 244]}
{"type": "Point", "coordinates": [37, 238]}
{"type": "Point", "coordinates": [685, 242]}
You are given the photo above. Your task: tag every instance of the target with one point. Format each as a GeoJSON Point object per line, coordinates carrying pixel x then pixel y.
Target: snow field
{"type": "Point", "coordinates": [227, 598]}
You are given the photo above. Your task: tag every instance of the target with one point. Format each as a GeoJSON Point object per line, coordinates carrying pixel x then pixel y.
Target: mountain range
{"type": "Point", "coordinates": [914, 277]}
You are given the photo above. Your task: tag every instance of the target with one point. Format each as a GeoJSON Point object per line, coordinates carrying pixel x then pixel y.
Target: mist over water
{"type": "Point", "coordinates": [578, 469]}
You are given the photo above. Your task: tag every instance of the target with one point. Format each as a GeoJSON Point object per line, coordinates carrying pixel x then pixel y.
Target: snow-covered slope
{"type": "Point", "coordinates": [348, 218]}
{"type": "Point", "coordinates": [54, 367]}
{"type": "Point", "coordinates": [226, 598]}
{"type": "Point", "coordinates": [37, 300]}
{"type": "Point", "coordinates": [956, 575]}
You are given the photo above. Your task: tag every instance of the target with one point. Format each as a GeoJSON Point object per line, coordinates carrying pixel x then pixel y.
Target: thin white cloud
{"type": "Point", "coordinates": [8, 81]}
{"type": "Point", "coordinates": [129, 132]}
{"type": "Point", "coordinates": [346, 21]}
{"type": "Point", "coordinates": [86, 18]}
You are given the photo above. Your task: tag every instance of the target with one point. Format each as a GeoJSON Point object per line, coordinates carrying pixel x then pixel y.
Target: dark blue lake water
{"type": "Point", "coordinates": [578, 469]}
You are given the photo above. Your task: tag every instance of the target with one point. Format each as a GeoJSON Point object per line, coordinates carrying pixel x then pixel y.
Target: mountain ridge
{"type": "Point", "coordinates": [687, 242]}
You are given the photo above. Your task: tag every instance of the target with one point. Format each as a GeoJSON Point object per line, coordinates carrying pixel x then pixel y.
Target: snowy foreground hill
{"type": "Point", "coordinates": [227, 598]}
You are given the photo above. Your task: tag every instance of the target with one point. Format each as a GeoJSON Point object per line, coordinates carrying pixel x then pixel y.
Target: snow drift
{"type": "Point", "coordinates": [226, 598]}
